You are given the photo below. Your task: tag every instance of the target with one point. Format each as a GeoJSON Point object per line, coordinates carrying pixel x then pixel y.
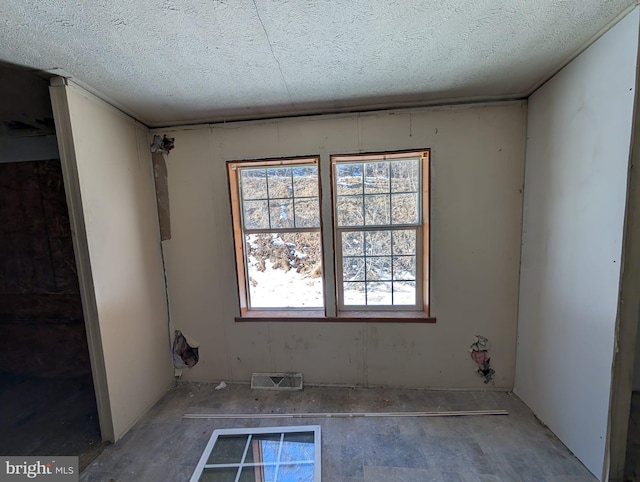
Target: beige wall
{"type": "Point", "coordinates": [477, 170]}
{"type": "Point", "coordinates": [579, 138]}
{"type": "Point", "coordinates": [126, 307]}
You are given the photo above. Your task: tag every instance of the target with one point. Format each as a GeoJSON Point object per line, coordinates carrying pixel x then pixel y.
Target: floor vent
{"type": "Point", "coordinates": [276, 381]}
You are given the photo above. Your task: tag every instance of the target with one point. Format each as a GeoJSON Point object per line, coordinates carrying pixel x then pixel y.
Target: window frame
{"type": "Point", "coordinates": [331, 311]}
{"type": "Point", "coordinates": [421, 266]}
{"type": "Point", "coordinates": [239, 232]}
{"type": "Point", "coordinates": [250, 432]}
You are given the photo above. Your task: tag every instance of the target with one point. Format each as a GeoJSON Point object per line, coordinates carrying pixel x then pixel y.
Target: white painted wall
{"type": "Point", "coordinates": [579, 134]}
{"type": "Point", "coordinates": [477, 171]}
{"type": "Point", "coordinates": [119, 212]}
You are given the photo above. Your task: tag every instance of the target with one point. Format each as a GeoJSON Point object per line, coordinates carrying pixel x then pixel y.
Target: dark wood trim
{"type": "Point", "coordinates": [379, 156]}
{"type": "Point", "coordinates": [344, 317]}
{"type": "Point", "coordinates": [274, 162]}
{"type": "Point", "coordinates": [426, 234]}
{"type": "Point", "coordinates": [238, 238]}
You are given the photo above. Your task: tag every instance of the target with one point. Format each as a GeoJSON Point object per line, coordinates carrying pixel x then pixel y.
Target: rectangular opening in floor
{"type": "Point", "coordinates": [266, 454]}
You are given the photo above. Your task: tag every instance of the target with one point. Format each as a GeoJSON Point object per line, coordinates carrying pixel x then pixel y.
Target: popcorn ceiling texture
{"type": "Point", "coordinates": [180, 61]}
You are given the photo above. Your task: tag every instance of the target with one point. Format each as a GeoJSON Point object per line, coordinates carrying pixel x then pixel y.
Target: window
{"type": "Point", "coordinates": [278, 205]}
{"type": "Point", "coordinates": [277, 454]}
{"type": "Point", "coordinates": [378, 236]}
{"type": "Point", "coordinates": [374, 262]}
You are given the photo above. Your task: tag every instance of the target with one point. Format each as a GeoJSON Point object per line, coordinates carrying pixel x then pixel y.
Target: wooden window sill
{"type": "Point", "coordinates": [343, 317]}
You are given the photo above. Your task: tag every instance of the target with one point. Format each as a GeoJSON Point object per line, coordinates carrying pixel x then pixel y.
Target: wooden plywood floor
{"type": "Point", "coordinates": [164, 446]}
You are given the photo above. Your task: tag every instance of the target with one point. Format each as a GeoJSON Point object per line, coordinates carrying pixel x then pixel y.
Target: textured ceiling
{"type": "Point", "coordinates": [179, 61]}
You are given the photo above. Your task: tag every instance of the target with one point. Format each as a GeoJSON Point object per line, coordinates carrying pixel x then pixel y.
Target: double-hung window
{"type": "Point", "coordinates": [276, 210]}
{"type": "Point", "coordinates": [376, 216]}
{"type": "Point", "coordinates": [378, 221]}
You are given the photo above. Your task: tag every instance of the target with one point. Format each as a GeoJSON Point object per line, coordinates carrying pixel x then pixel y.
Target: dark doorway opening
{"type": "Point", "coordinates": [47, 398]}
{"type": "Point", "coordinates": [632, 458]}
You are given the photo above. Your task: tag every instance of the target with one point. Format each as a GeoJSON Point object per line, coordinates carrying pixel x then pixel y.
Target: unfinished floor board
{"type": "Point", "coordinates": [164, 446]}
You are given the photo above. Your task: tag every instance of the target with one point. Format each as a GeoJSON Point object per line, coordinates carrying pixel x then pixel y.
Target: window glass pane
{"type": "Point", "coordinates": [376, 179]}
{"type": "Point", "coordinates": [301, 438]}
{"type": "Point", "coordinates": [257, 474]}
{"type": "Point", "coordinates": [284, 270]}
{"type": "Point", "coordinates": [223, 474]}
{"type": "Point", "coordinates": [307, 213]}
{"type": "Point", "coordinates": [253, 183]}
{"type": "Point", "coordinates": [404, 241]}
{"type": "Point", "coordinates": [377, 243]}
{"type": "Point", "coordinates": [270, 473]}
{"type": "Point", "coordinates": [256, 214]}
{"type": "Point", "coordinates": [354, 294]}
{"type": "Point", "coordinates": [350, 211]}
{"type": "Point", "coordinates": [268, 197]}
{"type": "Point", "coordinates": [353, 269]}
{"type": "Point", "coordinates": [298, 447]}
{"type": "Point", "coordinates": [281, 211]}
{"type": "Point", "coordinates": [404, 293]}
{"type": "Point", "coordinates": [348, 179]}
{"type": "Point", "coordinates": [404, 208]}
{"type": "Point", "coordinates": [388, 191]}
{"type": "Point", "coordinates": [376, 209]}
{"type": "Point", "coordinates": [296, 473]}
{"type": "Point", "coordinates": [353, 243]}
{"type": "Point", "coordinates": [252, 474]}
{"type": "Point", "coordinates": [404, 268]}
{"type": "Point", "coordinates": [228, 449]}
{"type": "Point", "coordinates": [280, 182]}
{"type": "Point", "coordinates": [305, 181]}
{"type": "Point", "coordinates": [379, 265]}
{"type": "Point", "coordinates": [405, 175]}
{"type": "Point", "coordinates": [378, 268]}
{"type": "Point", "coordinates": [378, 293]}
{"type": "Point", "coordinates": [263, 449]}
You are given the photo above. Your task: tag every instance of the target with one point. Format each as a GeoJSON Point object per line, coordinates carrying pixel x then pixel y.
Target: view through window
{"type": "Point", "coordinates": [378, 220]}
{"type": "Point", "coordinates": [281, 229]}
{"type": "Point", "coordinates": [378, 224]}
